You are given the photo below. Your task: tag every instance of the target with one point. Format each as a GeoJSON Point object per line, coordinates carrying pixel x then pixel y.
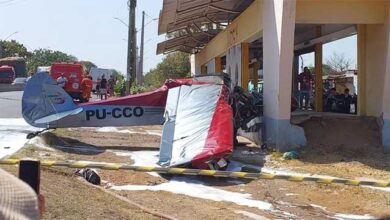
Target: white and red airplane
{"type": "Point", "coordinates": [197, 118]}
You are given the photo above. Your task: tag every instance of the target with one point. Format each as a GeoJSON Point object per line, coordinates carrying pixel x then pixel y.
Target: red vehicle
{"type": "Point", "coordinates": [74, 73]}
{"type": "Point", "coordinates": [7, 74]}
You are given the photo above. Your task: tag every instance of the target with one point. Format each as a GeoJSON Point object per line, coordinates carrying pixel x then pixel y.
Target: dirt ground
{"type": "Point", "coordinates": [290, 200]}
{"type": "Point", "coordinates": [347, 147]}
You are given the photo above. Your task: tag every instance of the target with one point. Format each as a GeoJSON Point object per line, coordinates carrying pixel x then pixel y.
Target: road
{"type": "Point", "coordinates": [11, 104]}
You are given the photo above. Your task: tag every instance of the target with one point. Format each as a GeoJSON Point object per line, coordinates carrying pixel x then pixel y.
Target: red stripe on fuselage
{"type": "Point", "coordinates": [154, 98]}
{"type": "Point", "coordinates": [219, 141]}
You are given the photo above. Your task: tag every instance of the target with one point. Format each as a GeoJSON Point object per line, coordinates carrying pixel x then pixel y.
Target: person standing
{"type": "Point", "coordinates": [304, 79]}
{"type": "Point", "coordinates": [86, 85]}
{"type": "Point", "coordinates": [347, 101]}
{"type": "Point", "coordinates": [61, 81]}
{"type": "Point", "coordinates": [111, 83]}
{"type": "Point", "coordinates": [103, 88]}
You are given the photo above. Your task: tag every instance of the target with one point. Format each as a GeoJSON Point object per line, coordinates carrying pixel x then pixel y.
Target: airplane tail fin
{"type": "Point", "coordinates": [44, 101]}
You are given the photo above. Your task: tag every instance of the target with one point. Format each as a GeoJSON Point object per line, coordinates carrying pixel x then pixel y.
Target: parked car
{"type": "Point", "coordinates": [20, 81]}
{"type": "Point", "coordinates": [7, 74]}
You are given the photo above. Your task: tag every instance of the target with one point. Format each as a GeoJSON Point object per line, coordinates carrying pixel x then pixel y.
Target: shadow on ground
{"type": "Point", "coordinates": [74, 146]}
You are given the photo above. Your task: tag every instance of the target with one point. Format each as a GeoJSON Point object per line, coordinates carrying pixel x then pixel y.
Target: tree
{"type": "Point", "coordinates": [338, 63]}
{"type": "Point", "coordinates": [88, 65]}
{"type": "Point", "coordinates": [175, 65]}
{"type": "Point", "coordinates": [45, 57]}
{"type": "Point", "coordinates": [13, 48]}
{"type": "Point", "coordinates": [326, 69]}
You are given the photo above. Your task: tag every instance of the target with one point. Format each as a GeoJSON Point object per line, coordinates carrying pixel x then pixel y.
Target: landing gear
{"type": "Point", "coordinates": [34, 134]}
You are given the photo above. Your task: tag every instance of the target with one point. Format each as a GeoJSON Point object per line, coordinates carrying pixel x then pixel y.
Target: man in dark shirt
{"type": "Point", "coordinates": [103, 88]}
{"type": "Point", "coordinates": [347, 101]}
{"type": "Point", "coordinates": [305, 79]}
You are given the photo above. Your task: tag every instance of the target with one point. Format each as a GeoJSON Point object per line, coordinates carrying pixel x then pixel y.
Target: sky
{"type": "Point", "coordinates": [83, 28]}
{"type": "Point", "coordinates": [346, 46]}
{"type": "Point", "coordinates": [87, 29]}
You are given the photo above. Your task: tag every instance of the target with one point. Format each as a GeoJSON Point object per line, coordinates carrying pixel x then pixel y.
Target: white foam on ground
{"type": "Point", "coordinates": [127, 131]}
{"type": "Point", "coordinates": [251, 215]}
{"type": "Point", "coordinates": [386, 189]}
{"type": "Point", "coordinates": [142, 158]}
{"type": "Point", "coordinates": [353, 217]}
{"type": "Point", "coordinates": [13, 132]}
{"type": "Point", "coordinates": [112, 129]}
{"type": "Point", "coordinates": [187, 186]}
{"type": "Point", "coordinates": [38, 142]}
{"type": "Point", "coordinates": [292, 194]}
{"type": "Point", "coordinates": [195, 188]}
{"type": "Point", "coordinates": [340, 216]}
{"type": "Point", "coordinates": [154, 132]}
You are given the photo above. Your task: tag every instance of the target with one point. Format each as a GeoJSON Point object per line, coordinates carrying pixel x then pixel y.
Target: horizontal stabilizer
{"type": "Point", "coordinates": [44, 101]}
{"type": "Point", "coordinates": [58, 116]}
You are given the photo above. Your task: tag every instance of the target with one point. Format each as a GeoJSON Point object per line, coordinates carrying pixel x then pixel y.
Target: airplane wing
{"type": "Point", "coordinates": [44, 101]}
{"type": "Point", "coordinates": [198, 127]}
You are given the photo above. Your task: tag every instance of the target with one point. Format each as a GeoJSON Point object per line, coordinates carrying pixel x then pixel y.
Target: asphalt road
{"type": "Point", "coordinates": [11, 104]}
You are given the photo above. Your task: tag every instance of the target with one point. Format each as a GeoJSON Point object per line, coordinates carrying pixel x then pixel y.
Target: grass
{"type": "Point", "coordinates": [68, 198]}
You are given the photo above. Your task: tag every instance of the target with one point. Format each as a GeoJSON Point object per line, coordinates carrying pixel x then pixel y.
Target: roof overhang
{"type": "Point", "coordinates": [190, 25]}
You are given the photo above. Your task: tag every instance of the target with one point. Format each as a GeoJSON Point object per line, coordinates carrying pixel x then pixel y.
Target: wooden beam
{"type": "Point", "coordinates": [218, 65]}
{"type": "Point", "coordinates": [244, 65]}
{"type": "Point", "coordinates": [318, 73]}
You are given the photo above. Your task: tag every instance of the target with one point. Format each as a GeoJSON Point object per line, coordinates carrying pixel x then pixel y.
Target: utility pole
{"type": "Point", "coordinates": [1, 49]}
{"type": "Point", "coordinates": [141, 62]}
{"type": "Point", "coordinates": [131, 47]}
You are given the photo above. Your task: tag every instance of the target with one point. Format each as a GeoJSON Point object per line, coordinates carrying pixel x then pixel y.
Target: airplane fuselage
{"type": "Point", "coordinates": [111, 115]}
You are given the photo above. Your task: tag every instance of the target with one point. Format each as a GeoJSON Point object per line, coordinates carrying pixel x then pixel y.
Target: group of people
{"type": "Point", "coordinates": [340, 103]}
{"type": "Point", "coordinates": [104, 87]}
{"type": "Point", "coordinates": [86, 85]}
{"type": "Point", "coordinates": [333, 101]}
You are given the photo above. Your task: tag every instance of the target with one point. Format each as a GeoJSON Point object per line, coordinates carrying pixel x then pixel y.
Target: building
{"type": "Point", "coordinates": [241, 37]}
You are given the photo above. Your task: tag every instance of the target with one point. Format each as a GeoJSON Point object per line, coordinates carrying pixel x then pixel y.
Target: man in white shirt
{"type": "Point", "coordinates": [61, 81]}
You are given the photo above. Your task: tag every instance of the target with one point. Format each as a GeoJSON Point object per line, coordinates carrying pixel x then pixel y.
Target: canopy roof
{"type": "Point", "coordinates": [190, 25]}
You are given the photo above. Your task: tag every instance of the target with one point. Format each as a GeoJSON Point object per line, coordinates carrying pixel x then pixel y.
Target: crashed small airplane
{"type": "Point", "coordinates": [196, 114]}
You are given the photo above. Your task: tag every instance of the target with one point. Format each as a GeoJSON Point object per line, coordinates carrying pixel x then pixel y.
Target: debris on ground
{"type": "Point", "coordinates": [291, 155]}
{"type": "Point", "coordinates": [90, 175]}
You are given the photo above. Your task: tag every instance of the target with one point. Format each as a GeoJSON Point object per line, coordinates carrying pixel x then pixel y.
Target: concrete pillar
{"type": "Point", "coordinates": [195, 67]}
{"type": "Point", "coordinates": [245, 65]}
{"type": "Point", "coordinates": [218, 65]}
{"type": "Point", "coordinates": [233, 64]}
{"type": "Point", "coordinates": [295, 80]}
{"type": "Point", "coordinates": [278, 38]}
{"type": "Point", "coordinates": [318, 72]}
{"type": "Point", "coordinates": [361, 52]}
{"type": "Point", "coordinates": [386, 91]}
{"type": "Point", "coordinates": [211, 67]}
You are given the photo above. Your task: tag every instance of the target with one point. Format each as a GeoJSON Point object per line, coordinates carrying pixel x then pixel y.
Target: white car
{"type": "Point", "coordinates": [20, 81]}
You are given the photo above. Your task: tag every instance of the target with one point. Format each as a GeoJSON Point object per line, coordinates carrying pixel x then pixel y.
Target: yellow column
{"type": "Point", "coordinates": [218, 66]}
{"type": "Point", "coordinates": [244, 65]}
{"type": "Point", "coordinates": [361, 50]}
{"type": "Point", "coordinates": [318, 73]}
{"type": "Point", "coordinates": [255, 76]}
